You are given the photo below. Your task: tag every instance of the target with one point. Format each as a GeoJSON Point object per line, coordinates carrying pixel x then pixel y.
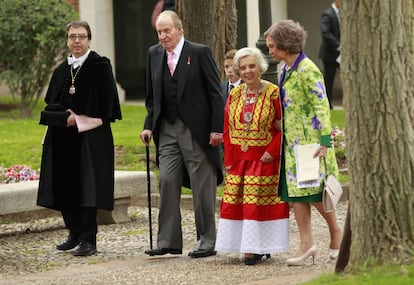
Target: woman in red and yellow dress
{"type": "Point", "coordinates": [253, 219]}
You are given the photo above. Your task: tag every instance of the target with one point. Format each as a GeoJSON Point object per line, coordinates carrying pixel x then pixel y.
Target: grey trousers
{"type": "Point", "coordinates": [178, 151]}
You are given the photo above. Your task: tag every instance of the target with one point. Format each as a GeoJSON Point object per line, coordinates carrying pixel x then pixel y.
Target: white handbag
{"type": "Point", "coordinates": [332, 192]}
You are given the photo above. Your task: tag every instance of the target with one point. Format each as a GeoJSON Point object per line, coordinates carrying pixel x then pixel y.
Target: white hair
{"type": "Point", "coordinates": [246, 51]}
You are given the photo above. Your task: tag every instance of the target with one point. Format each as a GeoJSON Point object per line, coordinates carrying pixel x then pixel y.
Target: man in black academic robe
{"type": "Point", "coordinates": [77, 169]}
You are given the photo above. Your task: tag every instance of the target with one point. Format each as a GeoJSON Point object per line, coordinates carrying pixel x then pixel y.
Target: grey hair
{"type": "Point", "coordinates": [289, 36]}
{"type": "Point", "coordinates": [246, 51]}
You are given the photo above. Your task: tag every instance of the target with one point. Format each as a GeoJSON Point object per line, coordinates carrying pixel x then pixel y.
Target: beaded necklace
{"type": "Point", "coordinates": [248, 111]}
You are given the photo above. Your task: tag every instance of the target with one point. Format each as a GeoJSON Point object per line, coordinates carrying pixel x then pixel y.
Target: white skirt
{"type": "Point", "coordinates": [250, 236]}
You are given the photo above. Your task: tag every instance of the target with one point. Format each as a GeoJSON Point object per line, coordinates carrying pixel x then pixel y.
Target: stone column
{"type": "Point", "coordinates": [265, 18]}
{"type": "Point", "coordinates": [279, 10]}
{"type": "Point", "coordinates": [252, 15]}
{"type": "Point", "coordinates": [99, 15]}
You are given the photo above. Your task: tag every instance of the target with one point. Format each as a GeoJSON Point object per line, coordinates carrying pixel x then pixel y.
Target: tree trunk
{"type": "Point", "coordinates": [377, 75]}
{"type": "Point", "coordinates": [213, 23]}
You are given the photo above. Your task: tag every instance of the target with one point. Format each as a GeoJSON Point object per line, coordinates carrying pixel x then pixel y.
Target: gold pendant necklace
{"type": "Point", "coordinates": [72, 88]}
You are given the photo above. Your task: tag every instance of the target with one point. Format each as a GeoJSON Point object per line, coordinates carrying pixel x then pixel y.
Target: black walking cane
{"type": "Point", "coordinates": [149, 190]}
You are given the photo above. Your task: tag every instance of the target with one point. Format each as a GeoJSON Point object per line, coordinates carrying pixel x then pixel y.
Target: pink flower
{"type": "Point", "coordinates": [17, 173]}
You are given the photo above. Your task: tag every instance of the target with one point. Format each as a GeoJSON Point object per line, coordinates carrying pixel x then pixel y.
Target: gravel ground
{"type": "Point", "coordinates": [28, 256]}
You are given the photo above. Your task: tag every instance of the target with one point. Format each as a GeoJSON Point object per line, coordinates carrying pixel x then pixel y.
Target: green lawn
{"type": "Point", "coordinates": [20, 139]}
{"type": "Point", "coordinates": [338, 118]}
{"type": "Point", "coordinates": [382, 275]}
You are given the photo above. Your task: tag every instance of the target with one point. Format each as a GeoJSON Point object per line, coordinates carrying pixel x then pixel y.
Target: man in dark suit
{"type": "Point", "coordinates": [329, 51]}
{"type": "Point", "coordinates": [185, 118]}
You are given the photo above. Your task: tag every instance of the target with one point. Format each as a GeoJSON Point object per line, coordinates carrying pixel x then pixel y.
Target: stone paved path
{"type": "Point", "coordinates": [28, 256]}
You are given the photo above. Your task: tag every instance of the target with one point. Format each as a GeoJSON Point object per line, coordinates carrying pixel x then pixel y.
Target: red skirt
{"type": "Point", "coordinates": [251, 192]}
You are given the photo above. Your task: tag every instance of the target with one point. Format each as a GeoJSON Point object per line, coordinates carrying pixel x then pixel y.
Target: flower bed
{"type": "Point", "coordinates": [17, 173]}
{"type": "Point", "coordinates": [339, 145]}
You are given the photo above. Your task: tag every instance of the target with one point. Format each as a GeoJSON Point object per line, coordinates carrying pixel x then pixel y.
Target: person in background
{"type": "Point", "coordinates": [185, 118]}
{"type": "Point", "coordinates": [253, 219]}
{"type": "Point", "coordinates": [161, 5]}
{"type": "Point", "coordinates": [306, 120]}
{"type": "Point", "coordinates": [77, 168]}
{"type": "Point", "coordinates": [329, 50]}
{"type": "Point", "coordinates": [232, 79]}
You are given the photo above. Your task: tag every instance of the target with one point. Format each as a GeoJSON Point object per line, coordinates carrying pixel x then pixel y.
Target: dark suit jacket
{"type": "Point", "coordinates": [225, 90]}
{"type": "Point", "coordinates": [200, 105]}
{"type": "Point", "coordinates": [331, 36]}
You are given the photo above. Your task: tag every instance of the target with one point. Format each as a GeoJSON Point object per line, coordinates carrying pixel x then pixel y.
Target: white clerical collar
{"type": "Point", "coordinates": [76, 62]}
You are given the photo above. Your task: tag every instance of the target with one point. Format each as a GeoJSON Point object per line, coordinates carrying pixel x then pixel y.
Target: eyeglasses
{"type": "Point", "coordinates": [73, 37]}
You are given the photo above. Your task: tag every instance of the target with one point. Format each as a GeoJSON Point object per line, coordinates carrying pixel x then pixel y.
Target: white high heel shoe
{"type": "Point", "coordinates": [300, 260]}
{"type": "Point", "coordinates": [333, 253]}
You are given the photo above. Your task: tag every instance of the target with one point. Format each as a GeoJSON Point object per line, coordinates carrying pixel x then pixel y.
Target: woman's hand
{"type": "Point", "coordinates": [216, 139]}
{"type": "Point", "coordinates": [278, 125]}
{"type": "Point", "coordinates": [266, 157]}
{"type": "Point", "coordinates": [321, 151]}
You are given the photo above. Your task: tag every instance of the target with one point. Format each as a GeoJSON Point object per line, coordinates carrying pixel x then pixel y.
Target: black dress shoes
{"type": "Point", "coordinates": [255, 258]}
{"type": "Point", "coordinates": [85, 249]}
{"type": "Point", "coordinates": [68, 244]}
{"type": "Point", "coordinates": [250, 260]}
{"type": "Point", "coordinates": [260, 256]}
{"type": "Point", "coordinates": [202, 253]}
{"type": "Point", "coordinates": [163, 251]}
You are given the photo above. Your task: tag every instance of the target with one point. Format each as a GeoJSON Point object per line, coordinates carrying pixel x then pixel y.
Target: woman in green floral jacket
{"type": "Point", "coordinates": [306, 120]}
